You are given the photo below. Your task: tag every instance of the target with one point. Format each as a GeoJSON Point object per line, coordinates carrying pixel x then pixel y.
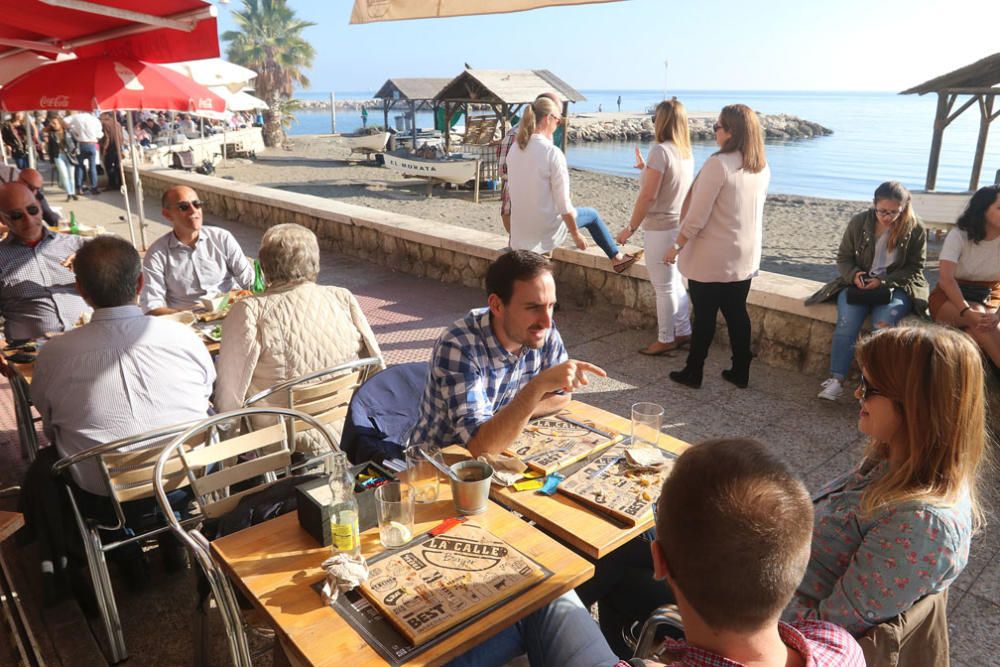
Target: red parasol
{"type": "Point", "coordinates": [107, 83]}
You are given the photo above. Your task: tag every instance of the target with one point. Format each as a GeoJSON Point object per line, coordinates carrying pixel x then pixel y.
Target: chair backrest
{"type": "Point", "coordinates": [918, 637]}
{"type": "Point", "coordinates": [324, 394]}
{"type": "Point", "coordinates": [127, 465]}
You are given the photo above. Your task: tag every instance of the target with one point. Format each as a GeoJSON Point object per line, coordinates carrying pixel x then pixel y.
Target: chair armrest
{"type": "Point", "coordinates": [666, 615]}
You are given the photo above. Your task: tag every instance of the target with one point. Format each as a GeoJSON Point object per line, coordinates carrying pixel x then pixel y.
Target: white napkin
{"type": "Point", "coordinates": [343, 574]}
{"type": "Point", "coordinates": [646, 458]}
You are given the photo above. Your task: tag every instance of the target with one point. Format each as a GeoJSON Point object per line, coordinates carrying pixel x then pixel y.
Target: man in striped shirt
{"type": "Point", "coordinates": [36, 278]}
{"type": "Point", "coordinates": [733, 536]}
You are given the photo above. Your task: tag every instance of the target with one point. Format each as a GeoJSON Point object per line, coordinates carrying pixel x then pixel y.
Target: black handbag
{"type": "Point", "coordinates": [975, 293]}
{"type": "Point", "coordinates": [879, 296]}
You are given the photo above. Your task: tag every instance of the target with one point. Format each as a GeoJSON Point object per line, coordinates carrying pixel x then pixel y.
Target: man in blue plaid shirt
{"type": "Point", "coordinates": [499, 366]}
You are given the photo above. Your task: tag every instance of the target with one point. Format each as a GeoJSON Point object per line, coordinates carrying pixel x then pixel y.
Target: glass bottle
{"type": "Point", "coordinates": [258, 278]}
{"type": "Point", "coordinates": [344, 533]}
{"type": "Point", "coordinates": [74, 228]}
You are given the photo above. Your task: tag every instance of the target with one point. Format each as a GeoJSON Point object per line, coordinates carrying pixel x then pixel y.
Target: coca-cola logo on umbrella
{"type": "Point", "coordinates": [128, 77]}
{"type": "Point", "coordinates": [57, 102]}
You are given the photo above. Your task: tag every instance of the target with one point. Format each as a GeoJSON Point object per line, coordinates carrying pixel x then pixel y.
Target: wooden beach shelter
{"type": "Point", "coordinates": [414, 94]}
{"type": "Point", "coordinates": [503, 91]}
{"type": "Point", "coordinates": [980, 83]}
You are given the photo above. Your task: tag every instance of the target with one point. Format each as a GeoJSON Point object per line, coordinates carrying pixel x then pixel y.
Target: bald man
{"type": "Point", "coordinates": [192, 261]}
{"type": "Point", "coordinates": [32, 179]}
{"type": "Point", "coordinates": [37, 293]}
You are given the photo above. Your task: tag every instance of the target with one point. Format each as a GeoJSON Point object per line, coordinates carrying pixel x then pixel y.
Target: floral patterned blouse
{"type": "Point", "coordinates": [865, 570]}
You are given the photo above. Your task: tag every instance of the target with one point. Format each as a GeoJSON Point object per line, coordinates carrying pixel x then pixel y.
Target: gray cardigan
{"type": "Point", "coordinates": [857, 253]}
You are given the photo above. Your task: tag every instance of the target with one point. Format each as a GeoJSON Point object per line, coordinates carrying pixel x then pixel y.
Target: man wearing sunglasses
{"type": "Point", "coordinates": [37, 293]}
{"type": "Point", "coordinates": [33, 180]}
{"type": "Point", "coordinates": [191, 261]}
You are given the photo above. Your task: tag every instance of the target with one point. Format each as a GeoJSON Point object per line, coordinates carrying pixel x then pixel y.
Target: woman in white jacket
{"type": "Point", "coordinates": [293, 328]}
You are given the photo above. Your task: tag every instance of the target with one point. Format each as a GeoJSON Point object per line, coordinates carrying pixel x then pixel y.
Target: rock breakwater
{"type": "Point", "coordinates": [584, 128]}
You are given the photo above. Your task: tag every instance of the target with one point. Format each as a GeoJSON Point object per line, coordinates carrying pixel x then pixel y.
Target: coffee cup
{"type": "Point", "coordinates": [472, 488]}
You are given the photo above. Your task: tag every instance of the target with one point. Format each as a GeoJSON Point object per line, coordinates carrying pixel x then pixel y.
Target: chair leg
{"type": "Point", "coordinates": [98, 566]}
{"type": "Point", "coordinates": [200, 649]}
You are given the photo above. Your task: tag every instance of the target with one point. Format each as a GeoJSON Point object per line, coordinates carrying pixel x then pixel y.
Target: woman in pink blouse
{"type": "Point", "coordinates": [719, 244]}
{"type": "Point", "coordinates": [898, 527]}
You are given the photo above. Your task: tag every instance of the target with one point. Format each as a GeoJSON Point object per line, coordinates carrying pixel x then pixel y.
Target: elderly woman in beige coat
{"type": "Point", "coordinates": [293, 328]}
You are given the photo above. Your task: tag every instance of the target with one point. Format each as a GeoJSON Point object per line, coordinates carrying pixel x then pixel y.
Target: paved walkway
{"type": "Point", "coordinates": [817, 438]}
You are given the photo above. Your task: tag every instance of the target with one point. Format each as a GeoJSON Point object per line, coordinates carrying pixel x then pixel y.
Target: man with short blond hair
{"type": "Point", "coordinates": [191, 261]}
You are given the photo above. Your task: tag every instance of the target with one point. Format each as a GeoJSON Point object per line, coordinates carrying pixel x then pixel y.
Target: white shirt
{"type": "Point", "coordinates": [177, 275]}
{"type": "Point", "coordinates": [86, 127]}
{"type": "Point", "coordinates": [539, 195]}
{"type": "Point", "coordinates": [123, 374]}
{"type": "Point", "coordinates": [974, 261]}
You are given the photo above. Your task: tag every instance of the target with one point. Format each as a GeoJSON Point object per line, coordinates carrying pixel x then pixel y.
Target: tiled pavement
{"type": "Point", "coordinates": [817, 438]}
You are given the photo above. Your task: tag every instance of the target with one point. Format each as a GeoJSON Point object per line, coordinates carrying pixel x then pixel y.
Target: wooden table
{"type": "Point", "coordinates": [276, 563]}
{"type": "Point", "coordinates": [587, 531]}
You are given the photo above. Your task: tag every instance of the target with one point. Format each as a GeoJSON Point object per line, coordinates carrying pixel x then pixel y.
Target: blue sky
{"type": "Point", "coordinates": [884, 45]}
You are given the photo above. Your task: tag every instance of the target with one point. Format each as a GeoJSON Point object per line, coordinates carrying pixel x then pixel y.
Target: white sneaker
{"type": "Point", "coordinates": [832, 390]}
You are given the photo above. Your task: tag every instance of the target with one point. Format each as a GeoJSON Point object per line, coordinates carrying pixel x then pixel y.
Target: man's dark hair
{"type": "Point", "coordinates": [511, 266]}
{"type": "Point", "coordinates": [108, 269]}
{"type": "Point", "coordinates": [735, 526]}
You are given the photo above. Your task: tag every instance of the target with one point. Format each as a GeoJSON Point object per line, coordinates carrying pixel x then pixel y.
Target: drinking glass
{"type": "Point", "coordinates": [421, 473]}
{"type": "Point", "coordinates": [647, 418]}
{"type": "Point", "coordinates": [394, 509]}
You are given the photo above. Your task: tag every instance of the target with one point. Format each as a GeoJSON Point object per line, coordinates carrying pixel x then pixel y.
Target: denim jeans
{"type": "Point", "coordinates": [88, 154]}
{"type": "Point", "coordinates": [851, 317]}
{"type": "Point", "coordinates": [588, 218]}
{"type": "Point", "coordinates": [561, 633]}
{"type": "Point", "coordinates": [66, 179]}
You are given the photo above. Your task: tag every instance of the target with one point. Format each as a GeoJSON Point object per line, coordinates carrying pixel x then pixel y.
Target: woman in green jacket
{"type": "Point", "coordinates": [881, 265]}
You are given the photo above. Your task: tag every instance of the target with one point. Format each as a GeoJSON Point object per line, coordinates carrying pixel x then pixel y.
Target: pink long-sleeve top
{"type": "Point", "coordinates": [724, 223]}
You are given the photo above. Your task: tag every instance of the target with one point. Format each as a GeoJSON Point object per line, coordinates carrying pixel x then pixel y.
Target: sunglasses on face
{"type": "Point", "coordinates": [185, 206]}
{"type": "Point", "coordinates": [15, 216]}
{"type": "Point", "coordinates": [866, 390]}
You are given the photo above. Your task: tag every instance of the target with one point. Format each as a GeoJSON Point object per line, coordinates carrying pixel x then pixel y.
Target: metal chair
{"type": "Point", "coordinates": [211, 474]}
{"type": "Point", "coordinates": [127, 468]}
{"type": "Point", "coordinates": [26, 420]}
{"type": "Point", "coordinates": [645, 646]}
{"type": "Point", "coordinates": [324, 395]}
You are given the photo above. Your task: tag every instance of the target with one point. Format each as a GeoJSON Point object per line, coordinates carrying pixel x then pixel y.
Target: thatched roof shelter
{"type": "Point", "coordinates": [505, 91]}
{"type": "Point", "coordinates": [980, 81]}
{"type": "Point", "coordinates": [414, 93]}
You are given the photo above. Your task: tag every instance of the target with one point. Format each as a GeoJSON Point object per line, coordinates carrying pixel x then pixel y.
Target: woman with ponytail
{"type": "Point", "coordinates": [542, 214]}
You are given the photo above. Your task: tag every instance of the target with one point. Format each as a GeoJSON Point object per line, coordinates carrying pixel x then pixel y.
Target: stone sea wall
{"type": "Point", "coordinates": [776, 126]}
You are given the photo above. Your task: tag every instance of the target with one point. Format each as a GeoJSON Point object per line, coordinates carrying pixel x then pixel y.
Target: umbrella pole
{"type": "Point", "coordinates": [136, 186]}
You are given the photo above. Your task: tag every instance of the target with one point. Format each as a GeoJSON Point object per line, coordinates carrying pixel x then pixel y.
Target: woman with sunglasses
{"type": "Point", "coordinates": [898, 527]}
{"type": "Point", "coordinates": [881, 266]}
{"type": "Point", "coordinates": [541, 213]}
{"type": "Point", "coordinates": [720, 239]}
{"type": "Point", "coordinates": [665, 181]}
{"type": "Point", "coordinates": [967, 295]}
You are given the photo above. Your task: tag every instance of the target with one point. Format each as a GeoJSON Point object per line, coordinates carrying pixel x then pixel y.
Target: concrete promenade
{"type": "Point", "coordinates": [817, 438]}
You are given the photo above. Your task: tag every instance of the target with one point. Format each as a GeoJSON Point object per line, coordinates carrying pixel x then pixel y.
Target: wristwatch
{"type": "Point", "coordinates": [678, 247]}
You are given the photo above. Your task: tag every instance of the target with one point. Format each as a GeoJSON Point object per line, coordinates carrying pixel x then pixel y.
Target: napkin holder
{"type": "Point", "coordinates": [313, 503]}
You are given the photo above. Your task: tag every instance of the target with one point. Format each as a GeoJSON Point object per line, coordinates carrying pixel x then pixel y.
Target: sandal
{"type": "Point", "coordinates": [626, 261]}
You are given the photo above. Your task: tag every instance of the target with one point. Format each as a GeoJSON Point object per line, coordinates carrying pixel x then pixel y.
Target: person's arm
{"type": "Point", "coordinates": [367, 335]}
{"type": "Point", "coordinates": [559, 190]}
{"type": "Point", "coordinates": [905, 556]}
{"type": "Point", "coordinates": [649, 188]}
{"type": "Point", "coordinates": [237, 263]}
{"type": "Point", "coordinates": [497, 434]}
{"type": "Point", "coordinates": [50, 217]}
{"type": "Point", "coordinates": [913, 263]}
{"type": "Point", "coordinates": [39, 393]}
{"type": "Point", "coordinates": [704, 191]}
{"type": "Point", "coordinates": [238, 357]}
{"type": "Point", "coordinates": [153, 298]}
{"type": "Point", "coordinates": [849, 271]}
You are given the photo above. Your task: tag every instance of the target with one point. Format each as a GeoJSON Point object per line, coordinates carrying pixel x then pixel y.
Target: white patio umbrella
{"type": "Point", "coordinates": [215, 73]}
{"type": "Point", "coordinates": [368, 11]}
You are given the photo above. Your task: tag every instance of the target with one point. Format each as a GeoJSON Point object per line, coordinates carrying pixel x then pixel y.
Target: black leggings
{"type": "Point", "coordinates": [706, 300]}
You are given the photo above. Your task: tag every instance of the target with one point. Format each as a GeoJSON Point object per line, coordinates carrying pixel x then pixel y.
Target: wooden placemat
{"type": "Point", "coordinates": [443, 580]}
{"type": "Point", "coordinates": [551, 443]}
{"type": "Point", "coordinates": [623, 493]}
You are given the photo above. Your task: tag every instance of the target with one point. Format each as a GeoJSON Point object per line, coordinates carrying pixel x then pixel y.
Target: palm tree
{"type": "Point", "coordinates": [270, 42]}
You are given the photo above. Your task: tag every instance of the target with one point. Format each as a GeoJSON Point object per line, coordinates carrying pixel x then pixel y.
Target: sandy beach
{"type": "Point", "coordinates": [801, 234]}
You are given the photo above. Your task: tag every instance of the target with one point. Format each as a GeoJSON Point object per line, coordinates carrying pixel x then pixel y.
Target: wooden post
{"type": "Point", "coordinates": [940, 121]}
{"type": "Point", "coordinates": [447, 128]}
{"type": "Point", "coordinates": [477, 181]}
{"type": "Point", "coordinates": [985, 113]}
{"type": "Point", "coordinates": [413, 117]}
{"type": "Point", "coordinates": [333, 113]}
{"type": "Point", "coordinates": [565, 113]}
{"type": "Point", "coordinates": [385, 114]}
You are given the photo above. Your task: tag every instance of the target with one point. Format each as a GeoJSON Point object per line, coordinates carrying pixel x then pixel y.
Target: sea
{"type": "Point", "coordinates": [877, 136]}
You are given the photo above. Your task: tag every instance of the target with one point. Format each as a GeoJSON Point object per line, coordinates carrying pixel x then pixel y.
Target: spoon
{"type": "Point", "coordinates": [440, 466]}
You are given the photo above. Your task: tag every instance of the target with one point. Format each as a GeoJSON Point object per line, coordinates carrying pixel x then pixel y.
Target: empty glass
{"type": "Point", "coordinates": [647, 418]}
{"type": "Point", "coordinates": [421, 473]}
{"type": "Point", "coordinates": [394, 509]}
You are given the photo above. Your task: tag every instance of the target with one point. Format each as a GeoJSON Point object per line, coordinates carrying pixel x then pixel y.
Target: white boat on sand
{"type": "Point", "coordinates": [365, 143]}
{"type": "Point", "coordinates": [457, 170]}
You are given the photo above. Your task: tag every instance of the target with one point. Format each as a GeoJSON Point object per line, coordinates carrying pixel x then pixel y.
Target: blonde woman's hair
{"type": "Point", "coordinates": [289, 253]}
{"type": "Point", "coordinates": [671, 124]}
{"type": "Point", "coordinates": [747, 137]}
{"type": "Point", "coordinates": [935, 377]}
{"type": "Point", "coordinates": [907, 220]}
{"type": "Point", "coordinates": [540, 108]}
